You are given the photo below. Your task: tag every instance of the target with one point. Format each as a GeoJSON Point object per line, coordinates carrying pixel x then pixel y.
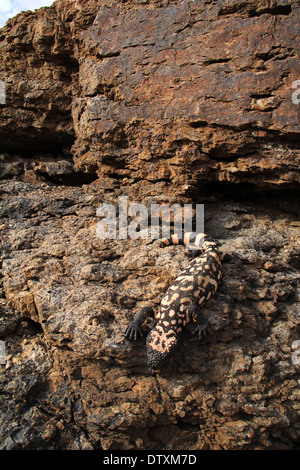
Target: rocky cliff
{"type": "Point", "coordinates": [160, 101]}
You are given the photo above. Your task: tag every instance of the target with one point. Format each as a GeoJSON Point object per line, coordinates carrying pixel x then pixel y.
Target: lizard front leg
{"type": "Point", "coordinates": [196, 317]}
{"type": "Point", "coordinates": [133, 330]}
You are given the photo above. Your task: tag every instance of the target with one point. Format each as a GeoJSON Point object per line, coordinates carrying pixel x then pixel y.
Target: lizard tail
{"type": "Point", "coordinates": [189, 239]}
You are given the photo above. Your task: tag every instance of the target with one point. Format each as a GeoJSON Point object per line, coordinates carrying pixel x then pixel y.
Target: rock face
{"type": "Point", "coordinates": [159, 101]}
{"type": "Point", "coordinates": [184, 84]}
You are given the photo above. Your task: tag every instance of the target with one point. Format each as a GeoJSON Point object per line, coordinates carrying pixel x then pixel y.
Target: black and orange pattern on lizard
{"type": "Point", "coordinates": [182, 301]}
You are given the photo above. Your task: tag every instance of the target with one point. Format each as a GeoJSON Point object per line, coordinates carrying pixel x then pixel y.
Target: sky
{"type": "Point", "coordinates": [9, 8]}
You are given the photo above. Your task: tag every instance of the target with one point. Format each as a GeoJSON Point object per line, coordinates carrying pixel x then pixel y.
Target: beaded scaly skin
{"type": "Point", "coordinates": [182, 301]}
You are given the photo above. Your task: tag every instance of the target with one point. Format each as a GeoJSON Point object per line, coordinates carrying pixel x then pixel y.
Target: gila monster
{"type": "Point", "coordinates": [182, 301]}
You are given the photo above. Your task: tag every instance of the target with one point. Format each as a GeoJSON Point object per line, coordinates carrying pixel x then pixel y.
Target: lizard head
{"type": "Point", "coordinates": [160, 344]}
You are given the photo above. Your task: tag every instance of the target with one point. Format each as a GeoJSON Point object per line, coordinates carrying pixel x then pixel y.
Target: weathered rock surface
{"type": "Point", "coordinates": [189, 88]}
{"type": "Point", "coordinates": [161, 101]}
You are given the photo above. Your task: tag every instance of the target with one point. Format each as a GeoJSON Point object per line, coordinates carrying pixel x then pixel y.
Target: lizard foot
{"type": "Point", "coordinates": [201, 330]}
{"type": "Point", "coordinates": [133, 331]}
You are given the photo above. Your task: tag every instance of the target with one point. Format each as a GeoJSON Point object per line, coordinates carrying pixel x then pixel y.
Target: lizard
{"type": "Point", "coordinates": [182, 301]}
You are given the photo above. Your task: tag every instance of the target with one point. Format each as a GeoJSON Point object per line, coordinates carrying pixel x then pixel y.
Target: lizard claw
{"type": "Point", "coordinates": [201, 331]}
{"type": "Point", "coordinates": [132, 331]}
